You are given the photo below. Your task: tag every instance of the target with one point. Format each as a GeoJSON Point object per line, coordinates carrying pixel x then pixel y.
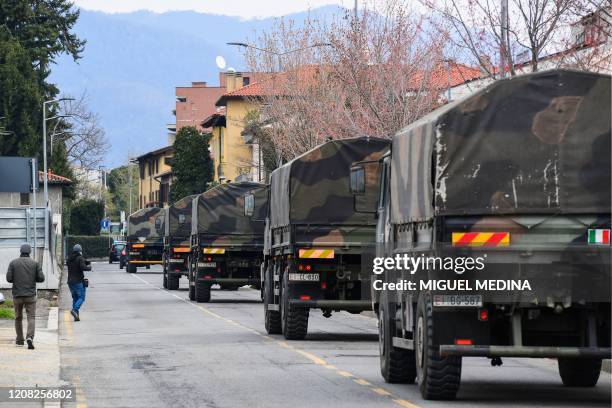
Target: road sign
{"type": "Point", "coordinates": [104, 223]}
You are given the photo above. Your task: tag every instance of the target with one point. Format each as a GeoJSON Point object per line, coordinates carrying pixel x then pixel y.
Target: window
{"type": "Point", "coordinates": [357, 180]}
{"type": "Point", "coordinates": [246, 81]}
{"type": "Point", "coordinates": [249, 204]}
{"type": "Point", "coordinates": [181, 218]}
{"type": "Point", "coordinates": [158, 223]}
{"type": "Point", "coordinates": [221, 152]}
{"type": "Point", "coordinates": [181, 99]}
{"type": "Point", "coordinates": [24, 199]}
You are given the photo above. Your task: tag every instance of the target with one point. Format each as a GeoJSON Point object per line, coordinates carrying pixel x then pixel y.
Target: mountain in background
{"type": "Point", "coordinates": [133, 61]}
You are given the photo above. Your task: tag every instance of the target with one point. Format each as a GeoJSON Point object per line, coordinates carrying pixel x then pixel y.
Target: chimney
{"type": "Point", "coordinates": [198, 84]}
{"type": "Point", "coordinates": [230, 81]}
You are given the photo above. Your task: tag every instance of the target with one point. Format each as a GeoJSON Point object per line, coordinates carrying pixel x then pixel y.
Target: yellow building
{"type": "Point", "coordinates": [155, 177]}
{"type": "Point", "coordinates": [235, 159]}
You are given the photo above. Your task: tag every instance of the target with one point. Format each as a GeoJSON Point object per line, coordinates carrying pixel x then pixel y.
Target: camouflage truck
{"type": "Point", "coordinates": [226, 238]}
{"type": "Point", "coordinates": [177, 242]}
{"type": "Point", "coordinates": [319, 236]}
{"type": "Point", "coordinates": [515, 177]}
{"type": "Point", "coordinates": [144, 238]}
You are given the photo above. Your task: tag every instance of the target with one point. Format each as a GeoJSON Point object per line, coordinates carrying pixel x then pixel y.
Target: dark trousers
{"type": "Point", "coordinates": [78, 295]}
{"type": "Point", "coordinates": [29, 303]}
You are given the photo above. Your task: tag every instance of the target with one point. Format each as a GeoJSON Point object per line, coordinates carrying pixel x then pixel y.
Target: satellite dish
{"type": "Point", "coordinates": [220, 62]}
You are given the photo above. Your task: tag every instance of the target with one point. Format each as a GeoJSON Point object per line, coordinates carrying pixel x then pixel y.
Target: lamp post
{"type": "Point", "coordinates": [46, 176]}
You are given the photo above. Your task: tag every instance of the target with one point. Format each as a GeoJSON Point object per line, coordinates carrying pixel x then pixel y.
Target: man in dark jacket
{"type": "Point", "coordinates": [23, 273]}
{"type": "Point", "coordinates": [76, 266]}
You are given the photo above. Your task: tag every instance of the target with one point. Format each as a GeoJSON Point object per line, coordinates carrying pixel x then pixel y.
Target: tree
{"type": "Point", "coordinates": [119, 188]}
{"type": "Point", "coordinates": [85, 217]}
{"type": "Point", "coordinates": [192, 165]}
{"type": "Point", "coordinates": [537, 28]}
{"type": "Point", "coordinates": [365, 76]}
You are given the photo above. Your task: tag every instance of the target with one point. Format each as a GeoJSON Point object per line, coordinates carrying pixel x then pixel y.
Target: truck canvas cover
{"type": "Point", "coordinates": [219, 214]}
{"type": "Point", "coordinates": [532, 144]}
{"type": "Point", "coordinates": [146, 225]}
{"type": "Point", "coordinates": [178, 217]}
{"type": "Point", "coordinates": [314, 188]}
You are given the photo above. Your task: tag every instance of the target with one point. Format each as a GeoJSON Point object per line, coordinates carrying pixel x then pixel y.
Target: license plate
{"type": "Point", "coordinates": [207, 264]}
{"type": "Point", "coordinates": [134, 253]}
{"type": "Point", "coordinates": [154, 251]}
{"type": "Point", "coordinates": [175, 260]}
{"type": "Point", "coordinates": [308, 277]}
{"type": "Point", "coordinates": [458, 300]}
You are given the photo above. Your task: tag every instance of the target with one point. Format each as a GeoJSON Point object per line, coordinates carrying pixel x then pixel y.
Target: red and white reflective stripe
{"type": "Point", "coordinates": [316, 253]}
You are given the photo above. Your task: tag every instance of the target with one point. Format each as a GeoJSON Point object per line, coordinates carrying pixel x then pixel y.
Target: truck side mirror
{"type": "Point", "coordinates": [357, 180]}
{"type": "Point", "coordinates": [249, 205]}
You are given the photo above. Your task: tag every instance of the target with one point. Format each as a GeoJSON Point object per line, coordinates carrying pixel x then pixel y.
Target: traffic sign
{"type": "Point", "coordinates": [104, 223]}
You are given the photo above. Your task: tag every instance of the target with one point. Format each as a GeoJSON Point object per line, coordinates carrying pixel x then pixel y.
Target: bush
{"type": "Point", "coordinates": [7, 311]}
{"type": "Point", "coordinates": [85, 217]}
{"type": "Point", "coordinates": [93, 246]}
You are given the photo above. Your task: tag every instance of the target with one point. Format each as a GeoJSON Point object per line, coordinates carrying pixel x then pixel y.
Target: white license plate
{"type": "Point", "coordinates": [308, 277]}
{"type": "Point", "coordinates": [458, 300]}
{"type": "Point", "coordinates": [134, 253]}
{"type": "Point", "coordinates": [172, 260]}
{"type": "Point", "coordinates": [207, 264]}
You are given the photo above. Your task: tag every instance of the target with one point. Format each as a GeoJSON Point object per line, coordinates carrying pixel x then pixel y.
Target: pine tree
{"type": "Point", "coordinates": [192, 165]}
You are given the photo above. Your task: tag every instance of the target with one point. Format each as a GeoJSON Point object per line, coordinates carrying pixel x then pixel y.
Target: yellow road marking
{"type": "Point", "coordinates": [68, 324]}
{"type": "Point", "coordinates": [381, 391]}
{"type": "Point", "coordinates": [316, 360]}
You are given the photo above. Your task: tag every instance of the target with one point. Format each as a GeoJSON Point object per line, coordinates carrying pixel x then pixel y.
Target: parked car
{"type": "Point", "coordinates": [114, 253]}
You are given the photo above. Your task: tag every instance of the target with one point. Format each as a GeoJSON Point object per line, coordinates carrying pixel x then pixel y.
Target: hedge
{"type": "Point", "coordinates": [93, 246]}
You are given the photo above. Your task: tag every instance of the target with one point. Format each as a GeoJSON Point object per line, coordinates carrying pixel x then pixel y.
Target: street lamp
{"type": "Point", "coordinates": [46, 176]}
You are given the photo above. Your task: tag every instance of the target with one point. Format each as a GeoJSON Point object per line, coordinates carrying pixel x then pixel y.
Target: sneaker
{"type": "Point", "coordinates": [19, 342]}
{"type": "Point", "coordinates": [30, 343]}
{"type": "Point", "coordinates": [75, 314]}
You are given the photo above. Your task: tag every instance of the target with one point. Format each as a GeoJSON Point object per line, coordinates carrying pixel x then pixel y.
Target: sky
{"type": "Point", "coordinates": [246, 9]}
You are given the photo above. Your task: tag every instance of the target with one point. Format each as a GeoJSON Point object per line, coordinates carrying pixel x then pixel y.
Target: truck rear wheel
{"type": "Point", "coordinates": [131, 268]}
{"type": "Point", "coordinates": [202, 292]}
{"type": "Point", "coordinates": [438, 377]}
{"type": "Point", "coordinates": [576, 372]}
{"type": "Point", "coordinates": [165, 275]}
{"type": "Point", "coordinates": [396, 365]}
{"type": "Point", "coordinates": [294, 319]}
{"type": "Point", "coordinates": [173, 282]}
{"type": "Point", "coordinates": [272, 317]}
{"type": "Point", "coordinates": [191, 292]}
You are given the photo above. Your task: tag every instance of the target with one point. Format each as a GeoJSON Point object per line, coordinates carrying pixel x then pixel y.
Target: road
{"type": "Point", "coordinates": [141, 346]}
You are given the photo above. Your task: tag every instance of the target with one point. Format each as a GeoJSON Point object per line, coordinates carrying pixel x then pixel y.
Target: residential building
{"type": "Point", "coordinates": [155, 177]}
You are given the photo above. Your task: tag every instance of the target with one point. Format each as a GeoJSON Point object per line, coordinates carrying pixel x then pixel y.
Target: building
{"type": "Point", "coordinates": [236, 155]}
{"type": "Point", "coordinates": [155, 177]}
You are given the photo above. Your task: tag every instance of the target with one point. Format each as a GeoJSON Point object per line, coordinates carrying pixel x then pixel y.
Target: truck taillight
{"type": "Point", "coordinates": [463, 342]}
{"type": "Point", "coordinates": [483, 315]}
{"type": "Point", "coordinates": [306, 267]}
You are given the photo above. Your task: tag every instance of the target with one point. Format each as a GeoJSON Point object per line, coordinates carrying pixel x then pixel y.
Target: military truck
{"type": "Point", "coordinates": [319, 236]}
{"type": "Point", "coordinates": [177, 242]}
{"type": "Point", "coordinates": [145, 238]}
{"type": "Point", "coordinates": [517, 178]}
{"type": "Point", "coordinates": [227, 226]}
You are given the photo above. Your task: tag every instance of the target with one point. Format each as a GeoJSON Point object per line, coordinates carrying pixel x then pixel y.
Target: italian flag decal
{"type": "Point", "coordinates": [599, 236]}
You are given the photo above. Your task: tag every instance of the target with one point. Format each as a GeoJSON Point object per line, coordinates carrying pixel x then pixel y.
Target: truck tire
{"type": "Point", "coordinates": [272, 317]}
{"type": "Point", "coordinates": [202, 292]}
{"type": "Point", "coordinates": [165, 277]}
{"type": "Point", "coordinates": [438, 377]}
{"type": "Point", "coordinates": [191, 292]}
{"type": "Point", "coordinates": [396, 365]}
{"type": "Point", "coordinates": [131, 268]}
{"type": "Point", "coordinates": [577, 372]}
{"type": "Point", "coordinates": [173, 282]}
{"type": "Point", "coordinates": [294, 319]}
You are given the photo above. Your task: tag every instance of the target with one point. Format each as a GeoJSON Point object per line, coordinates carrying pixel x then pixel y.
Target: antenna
{"type": "Point", "coordinates": [220, 62]}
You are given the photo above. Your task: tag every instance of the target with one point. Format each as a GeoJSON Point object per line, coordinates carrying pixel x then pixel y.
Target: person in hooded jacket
{"type": "Point", "coordinates": [77, 265]}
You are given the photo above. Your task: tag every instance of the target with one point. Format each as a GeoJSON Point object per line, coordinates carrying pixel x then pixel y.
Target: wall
{"type": "Point", "coordinates": [148, 187]}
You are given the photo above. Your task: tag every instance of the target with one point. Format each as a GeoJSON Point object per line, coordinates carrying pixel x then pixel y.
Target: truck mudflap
{"type": "Point", "coordinates": [524, 351]}
{"type": "Point", "coordinates": [348, 305]}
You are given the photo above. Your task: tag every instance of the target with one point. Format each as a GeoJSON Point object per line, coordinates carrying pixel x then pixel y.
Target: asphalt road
{"type": "Point", "coordinates": [141, 346]}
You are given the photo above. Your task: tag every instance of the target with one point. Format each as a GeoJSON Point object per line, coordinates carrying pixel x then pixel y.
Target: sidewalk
{"type": "Point", "coordinates": [20, 367]}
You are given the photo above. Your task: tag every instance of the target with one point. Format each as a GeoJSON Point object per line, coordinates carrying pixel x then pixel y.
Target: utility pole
{"type": "Point", "coordinates": [355, 8]}
{"type": "Point", "coordinates": [504, 46]}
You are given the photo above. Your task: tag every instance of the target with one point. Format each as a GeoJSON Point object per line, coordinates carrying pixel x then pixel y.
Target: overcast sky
{"type": "Point", "coordinates": [242, 8]}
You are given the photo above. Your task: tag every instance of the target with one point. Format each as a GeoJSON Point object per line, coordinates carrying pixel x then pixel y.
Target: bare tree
{"type": "Point", "coordinates": [81, 133]}
{"type": "Point", "coordinates": [537, 28]}
{"type": "Point", "coordinates": [349, 77]}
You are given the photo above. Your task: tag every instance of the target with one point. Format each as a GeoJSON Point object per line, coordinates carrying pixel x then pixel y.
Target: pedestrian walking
{"type": "Point", "coordinates": [77, 265]}
{"type": "Point", "coordinates": [23, 273]}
